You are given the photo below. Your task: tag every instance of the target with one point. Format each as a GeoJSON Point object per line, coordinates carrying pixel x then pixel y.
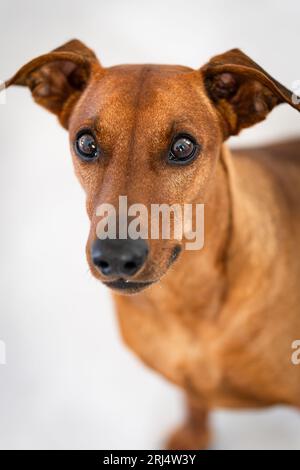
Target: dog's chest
{"type": "Point", "coordinates": [208, 361]}
{"type": "Point", "coordinates": [185, 354]}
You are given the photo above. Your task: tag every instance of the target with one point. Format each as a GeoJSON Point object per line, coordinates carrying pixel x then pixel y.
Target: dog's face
{"type": "Point", "coordinates": [150, 133]}
{"type": "Point", "coordinates": [155, 140]}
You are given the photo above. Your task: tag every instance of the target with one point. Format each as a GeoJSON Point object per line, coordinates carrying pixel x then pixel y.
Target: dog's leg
{"type": "Point", "coordinates": [194, 434]}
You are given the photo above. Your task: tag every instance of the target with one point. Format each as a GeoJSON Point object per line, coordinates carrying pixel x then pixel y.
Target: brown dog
{"type": "Point", "coordinates": [220, 322]}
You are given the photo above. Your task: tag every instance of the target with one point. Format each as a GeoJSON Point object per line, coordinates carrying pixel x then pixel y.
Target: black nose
{"type": "Point", "coordinates": [122, 258]}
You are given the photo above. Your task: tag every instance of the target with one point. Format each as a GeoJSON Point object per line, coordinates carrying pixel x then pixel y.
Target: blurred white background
{"type": "Point", "coordinates": [69, 382]}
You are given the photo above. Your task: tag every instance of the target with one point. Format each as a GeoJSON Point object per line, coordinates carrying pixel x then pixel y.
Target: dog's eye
{"type": "Point", "coordinates": [183, 150]}
{"type": "Point", "coordinates": [86, 146]}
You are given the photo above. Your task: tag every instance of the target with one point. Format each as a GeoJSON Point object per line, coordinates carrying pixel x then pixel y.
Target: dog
{"type": "Point", "coordinates": [218, 322]}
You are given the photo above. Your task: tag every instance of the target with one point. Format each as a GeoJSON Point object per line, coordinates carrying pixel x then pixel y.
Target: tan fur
{"type": "Point", "coordinates": [220, 322]}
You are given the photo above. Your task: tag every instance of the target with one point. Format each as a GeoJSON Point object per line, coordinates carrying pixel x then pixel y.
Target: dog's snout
{"type": "Point", "coordinates": [122, 258]}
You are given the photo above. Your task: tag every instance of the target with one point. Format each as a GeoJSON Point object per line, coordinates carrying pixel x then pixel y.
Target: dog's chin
{"type": "Point", "coordinates": [128, 287]}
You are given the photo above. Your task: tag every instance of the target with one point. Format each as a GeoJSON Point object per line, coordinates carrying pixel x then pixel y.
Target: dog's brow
{"type": "Point", "coordinates": [96, 123]}
{"type": "Point", "coordinates": [165, 135]}
{"type": "Point", "coordinates": [178, 126]}
{"type": "Point", "coordinates": [163, 139]}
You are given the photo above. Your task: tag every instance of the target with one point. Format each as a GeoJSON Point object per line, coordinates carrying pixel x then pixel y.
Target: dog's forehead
{"type": "Point", "coordinates": [159, 69]}
{"type": "Point", "coordinates": [137, 84]}
{"type": "Point", "coordinates": [143, 82]}
{"type": "Point", "coordinates": [118, 94]}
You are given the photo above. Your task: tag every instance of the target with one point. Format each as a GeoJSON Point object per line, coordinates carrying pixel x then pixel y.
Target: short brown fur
{"type": "Point", "coordinates": [219, 322]}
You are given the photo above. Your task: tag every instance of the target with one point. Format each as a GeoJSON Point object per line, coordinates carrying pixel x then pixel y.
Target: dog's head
{"type": "Point", "coordinates": [152, 133]}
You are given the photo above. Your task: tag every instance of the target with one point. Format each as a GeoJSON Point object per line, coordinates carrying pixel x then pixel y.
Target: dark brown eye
{"type": "Point", "coordinates": [86, 146]}
{"type": "Point", "coordinates": [183, 150]}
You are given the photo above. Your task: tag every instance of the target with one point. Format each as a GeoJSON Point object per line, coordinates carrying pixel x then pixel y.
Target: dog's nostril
{"type": "Point", "coordinates": [104, 267]}
{"type": "Point", "coordinates": [129, 267]}
{"type": "Point", "coordinates": [103, 264]}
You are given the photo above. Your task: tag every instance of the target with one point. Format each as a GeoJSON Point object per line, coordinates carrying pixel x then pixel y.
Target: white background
{"type": "Point", "coordinates": [69, 382]}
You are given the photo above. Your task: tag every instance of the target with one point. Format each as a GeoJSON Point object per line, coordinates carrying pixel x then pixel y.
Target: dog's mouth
{"type": "Point", "coordinates": [129, 287]}
{"type": "Point", "coordinates": [125, 286]}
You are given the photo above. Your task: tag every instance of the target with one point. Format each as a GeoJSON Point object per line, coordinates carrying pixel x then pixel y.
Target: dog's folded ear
{"type": "Point", "coordinates": [57, 79]}
{"type": "Point", "coordinates": [242, 91]}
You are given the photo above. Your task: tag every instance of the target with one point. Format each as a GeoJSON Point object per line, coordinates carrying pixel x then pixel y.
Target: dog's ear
{"type": "Point", "coordinates": [242, 91]}
{"type": "Point", "coordinates": [57, 79]}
